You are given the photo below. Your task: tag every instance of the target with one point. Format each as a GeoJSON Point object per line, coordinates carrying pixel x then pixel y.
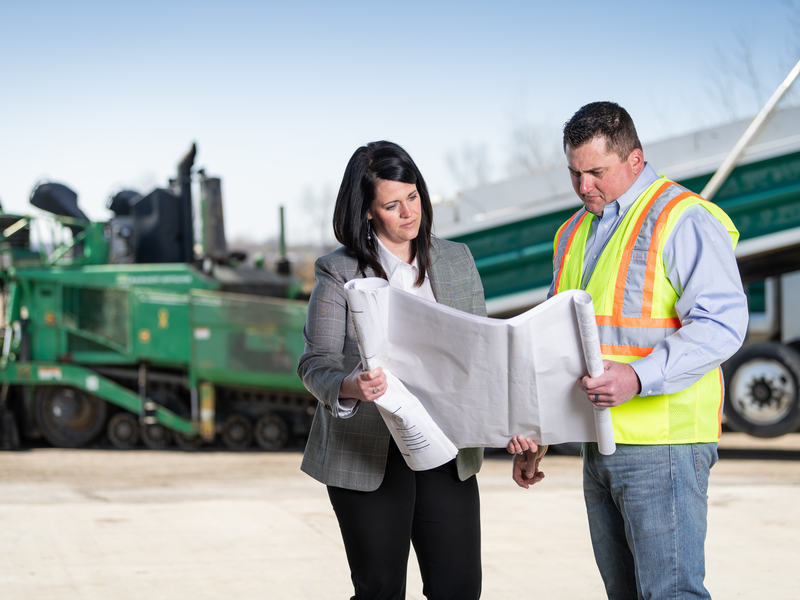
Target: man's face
{"type": "Point", "coordinates": [600, 177]}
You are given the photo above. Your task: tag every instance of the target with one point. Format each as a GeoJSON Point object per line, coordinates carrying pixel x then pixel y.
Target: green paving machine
{"type": "Point", "coordinates": [129, 328]}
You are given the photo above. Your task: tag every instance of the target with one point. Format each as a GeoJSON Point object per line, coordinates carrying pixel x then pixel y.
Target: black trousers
{"type": "Point", "coordinates": [434, 510]}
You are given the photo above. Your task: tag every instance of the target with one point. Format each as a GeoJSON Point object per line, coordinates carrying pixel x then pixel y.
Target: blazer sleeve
{"type": "Point", "coordinates": [323, 365]}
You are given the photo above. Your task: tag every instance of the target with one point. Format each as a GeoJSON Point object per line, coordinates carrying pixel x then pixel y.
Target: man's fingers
{"type": "Point", "coordinates": [520, 444]}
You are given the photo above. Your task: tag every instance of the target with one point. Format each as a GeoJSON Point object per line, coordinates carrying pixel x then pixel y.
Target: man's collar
{"type": "Point", "coordinates": [643, 181]}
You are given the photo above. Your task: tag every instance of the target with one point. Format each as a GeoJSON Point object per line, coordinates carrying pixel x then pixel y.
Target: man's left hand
{"type": "Point", "coordinates": [618, 384]}
{"type": "Point", "coordinates": [527, 456]}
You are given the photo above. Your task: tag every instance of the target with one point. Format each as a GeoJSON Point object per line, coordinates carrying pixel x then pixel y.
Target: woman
{"type": "Point", "coordinates": [383, 218]}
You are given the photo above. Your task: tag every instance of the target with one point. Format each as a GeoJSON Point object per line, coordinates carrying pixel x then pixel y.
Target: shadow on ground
{"type": "Point", "coordinates": [758, 454]}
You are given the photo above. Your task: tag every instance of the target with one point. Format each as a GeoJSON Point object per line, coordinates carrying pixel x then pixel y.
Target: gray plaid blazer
{"type": "Point", "coordinates": [351, 452]}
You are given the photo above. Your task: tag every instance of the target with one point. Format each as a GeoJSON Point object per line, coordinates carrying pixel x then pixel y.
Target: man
{"type": "Point", "coordinates": [658, 262]}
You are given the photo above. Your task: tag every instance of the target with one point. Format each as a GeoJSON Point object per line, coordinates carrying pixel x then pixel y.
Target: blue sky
{"type": "Point", "coordinates": [103, 95]}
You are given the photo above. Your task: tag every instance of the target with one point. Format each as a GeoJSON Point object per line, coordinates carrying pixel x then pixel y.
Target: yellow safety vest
{"type": "Point", "coordinates": [634, 304]}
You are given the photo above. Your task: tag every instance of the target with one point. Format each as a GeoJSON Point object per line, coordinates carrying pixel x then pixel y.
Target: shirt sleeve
{"type": "Point", "coordinates": [699, 263]}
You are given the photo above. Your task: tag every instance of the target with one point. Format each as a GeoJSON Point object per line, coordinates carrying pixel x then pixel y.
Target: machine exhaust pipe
{"type": "Point", "coordinates": [187, 220]}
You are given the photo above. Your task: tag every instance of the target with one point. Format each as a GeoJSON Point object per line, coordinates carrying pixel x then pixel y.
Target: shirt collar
{"type": "Point", "coordinates": [389, 261]}
{"type": "Point", "coordinates": [642, 182]}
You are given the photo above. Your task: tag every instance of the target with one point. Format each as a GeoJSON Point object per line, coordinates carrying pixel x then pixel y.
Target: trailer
{"type": "Point", "coordinates": [131, 330]}
{"type": "Point", "coordinates": [509, 227]}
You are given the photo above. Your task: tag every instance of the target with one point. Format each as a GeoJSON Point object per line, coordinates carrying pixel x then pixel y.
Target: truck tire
{"type": "Point", "coordinates": [762, 383]}
{"type": "Point", "coordinates": [68, 417]}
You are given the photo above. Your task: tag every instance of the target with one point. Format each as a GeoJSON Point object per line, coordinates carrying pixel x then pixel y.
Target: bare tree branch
{"type": "Point", "coordinates": [471, 166]}
{"type": "Point", "coordinates": [792, 55]}
{"type": "Point", "coordinates": [531, 150]}
{"type": "Point", "coordinates": [319, 212]}
{"type": "Point", "coordinates": [734, 78]}
{"type": "Point", "coordinates": [720, 84]}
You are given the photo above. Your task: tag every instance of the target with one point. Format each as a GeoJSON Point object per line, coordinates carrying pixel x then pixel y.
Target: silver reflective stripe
{"type": "Point", "coordinates": [638, 337]}
{"type": "Point", "coordinates": [634, 281]}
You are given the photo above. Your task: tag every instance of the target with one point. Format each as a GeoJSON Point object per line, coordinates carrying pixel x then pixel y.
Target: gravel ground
{"type": "Point", "coordinates": [100, 524]}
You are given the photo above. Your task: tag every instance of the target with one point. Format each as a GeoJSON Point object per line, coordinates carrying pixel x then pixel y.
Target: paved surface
{"type": "Point", "coordinates": [103, 524]}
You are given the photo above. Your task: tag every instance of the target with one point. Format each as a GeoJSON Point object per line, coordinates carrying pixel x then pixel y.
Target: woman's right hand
{"type": "Point", "coordinates": [364, 385]}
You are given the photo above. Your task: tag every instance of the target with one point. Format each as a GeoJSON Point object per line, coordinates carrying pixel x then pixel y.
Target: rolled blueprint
{"type": "Point", "coordinates": [419, 438]}
{"type": "Point", "coordinates": [590, 341]}
{"type": "Point", "coordinates": [368, 301]}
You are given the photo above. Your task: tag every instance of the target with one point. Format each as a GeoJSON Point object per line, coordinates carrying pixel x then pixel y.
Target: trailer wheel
{"type": "Point", "coordinates": [271, 432]}
{"type": "Point", "coordinates": [156, 437]}
{"type": "Point", "coordinates": [762, 383]}
{"type": "Point", "coordinates": [68, 417]}
{"type": "Point", "coordinates": [237, 432]}
{"type": "Point", "coordinates": [123, 431]}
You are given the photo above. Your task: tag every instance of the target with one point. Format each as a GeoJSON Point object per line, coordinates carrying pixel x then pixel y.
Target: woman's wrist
{"type": "Point", "coordinates": [348, 388]}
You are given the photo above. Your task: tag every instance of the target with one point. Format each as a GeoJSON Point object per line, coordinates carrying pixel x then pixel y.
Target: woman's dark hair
{"type": "Point", "coordinates": [369, 164]}
{"type": "Point", "coordinates": [607, 120]}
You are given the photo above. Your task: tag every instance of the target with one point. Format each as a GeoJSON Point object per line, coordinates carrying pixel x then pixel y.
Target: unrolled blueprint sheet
{"type": "Point", "coordinates": [419, 438]}
{"type": "Point", "coordinates": [484, 380]}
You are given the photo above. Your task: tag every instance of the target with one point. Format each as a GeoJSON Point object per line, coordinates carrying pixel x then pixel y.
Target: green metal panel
{"type": "Point", "coordinates": [247, 340]}
{"type": "Point", "coordinates": [160, 323]}
{"type": "Point", "coordinates": [229, 338]}
{"type": "Point", "coordinates": [761, 198]}
{"type": "Point", "coordinates": [43, 322]}
{"type": "Point", "coordinates": [171, 277]}
{"type": "Point", "coordinates": [96, 320]}
{"type": "Point", "coordinates": [756, 296]}
{"type": "Point", "coordinates": [110, 314]}
{"type": "Point", "coordinates": [518, 256]}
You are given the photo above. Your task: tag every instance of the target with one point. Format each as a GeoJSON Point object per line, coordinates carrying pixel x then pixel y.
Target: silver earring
{"type": "Point", "coordinates": [369, 231]}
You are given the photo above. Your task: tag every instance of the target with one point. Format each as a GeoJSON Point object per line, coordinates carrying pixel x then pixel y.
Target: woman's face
{"type": "Point", "coordinates": [396, 213]}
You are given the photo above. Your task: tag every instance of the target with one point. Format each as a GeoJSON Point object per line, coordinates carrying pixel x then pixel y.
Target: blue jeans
{"type": "Point", "coordinates": [647, 508]}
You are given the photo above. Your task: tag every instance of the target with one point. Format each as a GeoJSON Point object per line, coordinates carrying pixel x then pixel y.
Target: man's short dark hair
{"type": "Point", "coordinates": [603, 119]}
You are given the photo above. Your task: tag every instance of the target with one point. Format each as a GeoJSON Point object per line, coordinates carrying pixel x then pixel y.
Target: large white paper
{"type": "Point", "coordinates": [485, 380]}
{"type": "Point", "coordinates": [419, 438]}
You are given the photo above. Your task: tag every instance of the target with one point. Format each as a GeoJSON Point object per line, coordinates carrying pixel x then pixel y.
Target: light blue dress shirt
{"type": "Point", "coordinates": [699, 263]}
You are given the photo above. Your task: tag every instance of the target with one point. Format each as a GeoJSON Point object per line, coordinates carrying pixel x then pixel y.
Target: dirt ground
{"type": "Point", "coordinates": [99, 524]}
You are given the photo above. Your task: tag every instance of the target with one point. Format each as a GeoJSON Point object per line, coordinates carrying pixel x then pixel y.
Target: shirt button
{"type": "Point", "coordinates": [605, 226]}
{"type": "Point", "coordinates": [595, 256]}
{"type": "Point", "coordinates": [649, 391]}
